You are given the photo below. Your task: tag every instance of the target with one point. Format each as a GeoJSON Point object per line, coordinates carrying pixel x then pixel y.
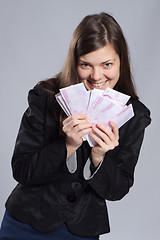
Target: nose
{"type": "Point", "coordinates": [97, 74]}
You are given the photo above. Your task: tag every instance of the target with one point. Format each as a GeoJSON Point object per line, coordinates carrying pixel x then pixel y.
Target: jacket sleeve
{"type": "Point", "coordinates": [33, 161]}
{"type": "Point", "coordinates": [115, 175]}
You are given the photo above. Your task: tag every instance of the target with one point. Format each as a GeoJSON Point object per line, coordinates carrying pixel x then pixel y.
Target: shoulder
{"type": "Point", "coordinates": [44, 89]}
{"type": "Point", "coordinates": [42, 95]}
{"type": "Point", "coordinates": [138, 106]}
{"type": "Point", "coordinates": [141, 112]}
{"type": "Point", "coordinates": [50, 86]}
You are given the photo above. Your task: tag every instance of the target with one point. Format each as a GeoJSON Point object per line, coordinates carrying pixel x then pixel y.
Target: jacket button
{"type": "Point", "coordinates": [76, 186]}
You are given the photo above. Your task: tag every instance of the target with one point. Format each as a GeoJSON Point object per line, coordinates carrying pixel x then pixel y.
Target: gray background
{"type": "Point", "coordinates": [34, 39]}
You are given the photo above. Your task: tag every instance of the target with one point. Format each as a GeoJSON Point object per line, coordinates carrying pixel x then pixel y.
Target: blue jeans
{"type": "Point", "coordinates": [12, 229]}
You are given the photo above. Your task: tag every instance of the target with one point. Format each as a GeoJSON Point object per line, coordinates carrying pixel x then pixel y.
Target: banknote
{"type": "Point", "coordinates": [63, 104]}
{"type": "Point", "coordinates": [104, 110]}
{"type": "Point", "coordinates": [117, 97]}
{"type": "Point", "coordinates": [76, 98]}
{"type": "Point", "coordinates": [100, 105]}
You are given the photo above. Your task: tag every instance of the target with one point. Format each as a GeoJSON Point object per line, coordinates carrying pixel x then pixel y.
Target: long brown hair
{"type": "Point", "coordinates": [94, 32]}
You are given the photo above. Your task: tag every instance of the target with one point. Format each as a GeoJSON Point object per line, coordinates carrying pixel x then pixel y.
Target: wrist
{"type": "Point", "coordinates": [96, 160]}
{"type": "Point", "coordinates": [70, 149]}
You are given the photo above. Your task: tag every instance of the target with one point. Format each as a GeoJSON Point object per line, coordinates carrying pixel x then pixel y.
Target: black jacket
{"type": "Point", "coordinates": [47, 194]}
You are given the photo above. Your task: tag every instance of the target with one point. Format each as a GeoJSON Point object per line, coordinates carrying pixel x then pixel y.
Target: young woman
{"type": "Point", "coordinates": [63, 182]}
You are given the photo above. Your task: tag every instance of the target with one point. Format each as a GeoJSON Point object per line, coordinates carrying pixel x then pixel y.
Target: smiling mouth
{"type": "Point", "coordinates": [97, 84]}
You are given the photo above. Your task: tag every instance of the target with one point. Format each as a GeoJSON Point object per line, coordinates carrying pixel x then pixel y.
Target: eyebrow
{"type": "Point", "coordinates": [111, 59]}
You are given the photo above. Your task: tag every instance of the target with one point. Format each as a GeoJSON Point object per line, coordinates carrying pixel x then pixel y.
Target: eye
{"type": "Point", "coordinates": [84, 65]}
{"type": "Point", "coordinates": [107, 65]}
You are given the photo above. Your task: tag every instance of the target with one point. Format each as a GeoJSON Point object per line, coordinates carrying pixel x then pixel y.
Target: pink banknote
{"type": "Point", "coordinates": [117, 97]}
{"type": "Point", "coordinates": [63, 104]}
{"type": "Point", "coordinates": [76, 98]}
{"type": "Point", "coordinates": [100, 106]}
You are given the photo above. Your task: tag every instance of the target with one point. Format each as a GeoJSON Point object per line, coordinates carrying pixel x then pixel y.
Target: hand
{"type": "Point", "coordinates": [75, 127]}
{"type": "Point", "coordinates": [106, 140]}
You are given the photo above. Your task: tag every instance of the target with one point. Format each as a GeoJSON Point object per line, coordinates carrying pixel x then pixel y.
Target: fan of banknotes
{"type": "Point", "coordinates": [100, 105]}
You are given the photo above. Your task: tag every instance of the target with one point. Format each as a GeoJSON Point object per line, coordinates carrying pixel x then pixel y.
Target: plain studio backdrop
{"type": "Point", "coordinates": [34, 40]}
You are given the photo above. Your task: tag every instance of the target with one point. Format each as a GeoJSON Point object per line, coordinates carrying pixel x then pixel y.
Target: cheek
{"type": "Point", "coordinates": [82, 73]}
{"type": "Point", "coordinates": [113, 73]}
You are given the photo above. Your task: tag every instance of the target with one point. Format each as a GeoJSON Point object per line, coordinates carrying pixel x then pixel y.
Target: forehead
{"type": "Point", "coordinates": [100, 55]}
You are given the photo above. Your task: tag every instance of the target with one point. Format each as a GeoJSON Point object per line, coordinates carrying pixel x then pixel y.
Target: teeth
{"type": "Point", "coordinates": [97, 84]}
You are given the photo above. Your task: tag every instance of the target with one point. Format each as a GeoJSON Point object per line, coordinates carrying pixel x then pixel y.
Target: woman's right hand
{"type": "Point", "coordinates": [75, 127]}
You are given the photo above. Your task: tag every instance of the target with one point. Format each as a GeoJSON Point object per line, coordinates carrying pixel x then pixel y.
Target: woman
{"type": "Point", "coordinates": [62, 181]}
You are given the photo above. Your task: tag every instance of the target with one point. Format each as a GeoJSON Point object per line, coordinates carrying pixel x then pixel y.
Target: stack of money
{"type": "Point", "coordinates": [100, 105]}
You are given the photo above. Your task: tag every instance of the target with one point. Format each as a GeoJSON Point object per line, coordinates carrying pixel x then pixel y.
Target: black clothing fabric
{"type": "Point", "coordinates": [47, 194]}
{"type": "Point", "coordinates": [12, 229]}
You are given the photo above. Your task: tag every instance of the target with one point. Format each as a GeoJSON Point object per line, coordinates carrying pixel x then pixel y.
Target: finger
{"type": "Point", "coordinates": [74, 122]}
{"type": "Point", "coordinates": [75, 129]}
{"type": "Point", "coordinates": [102, 135]}
{"type": "Point", "coordinates": [77, 133]}
{"type": "Point", "coordinates": [104, 145]}
{"type": "Point", "coordinates": [84, 131]}
{"type": "Point", "coordinates": [82, 126]}
{"type": "Point", "coordinates": [97, 139]}
{"type": "Point", "coordinates": [106, 131]}
{"type": "Point", "coordinates": [115, 129]}
{"type": "Point", "coordinates": [74, 118]}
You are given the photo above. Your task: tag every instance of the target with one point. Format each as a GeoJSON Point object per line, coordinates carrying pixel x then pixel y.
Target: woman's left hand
{"type": "Point", "coordinates": [106, 140]}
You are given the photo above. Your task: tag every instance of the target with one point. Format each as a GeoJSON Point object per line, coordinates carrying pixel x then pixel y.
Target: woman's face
{"type": "Point", "coordinates": [99, 69]}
